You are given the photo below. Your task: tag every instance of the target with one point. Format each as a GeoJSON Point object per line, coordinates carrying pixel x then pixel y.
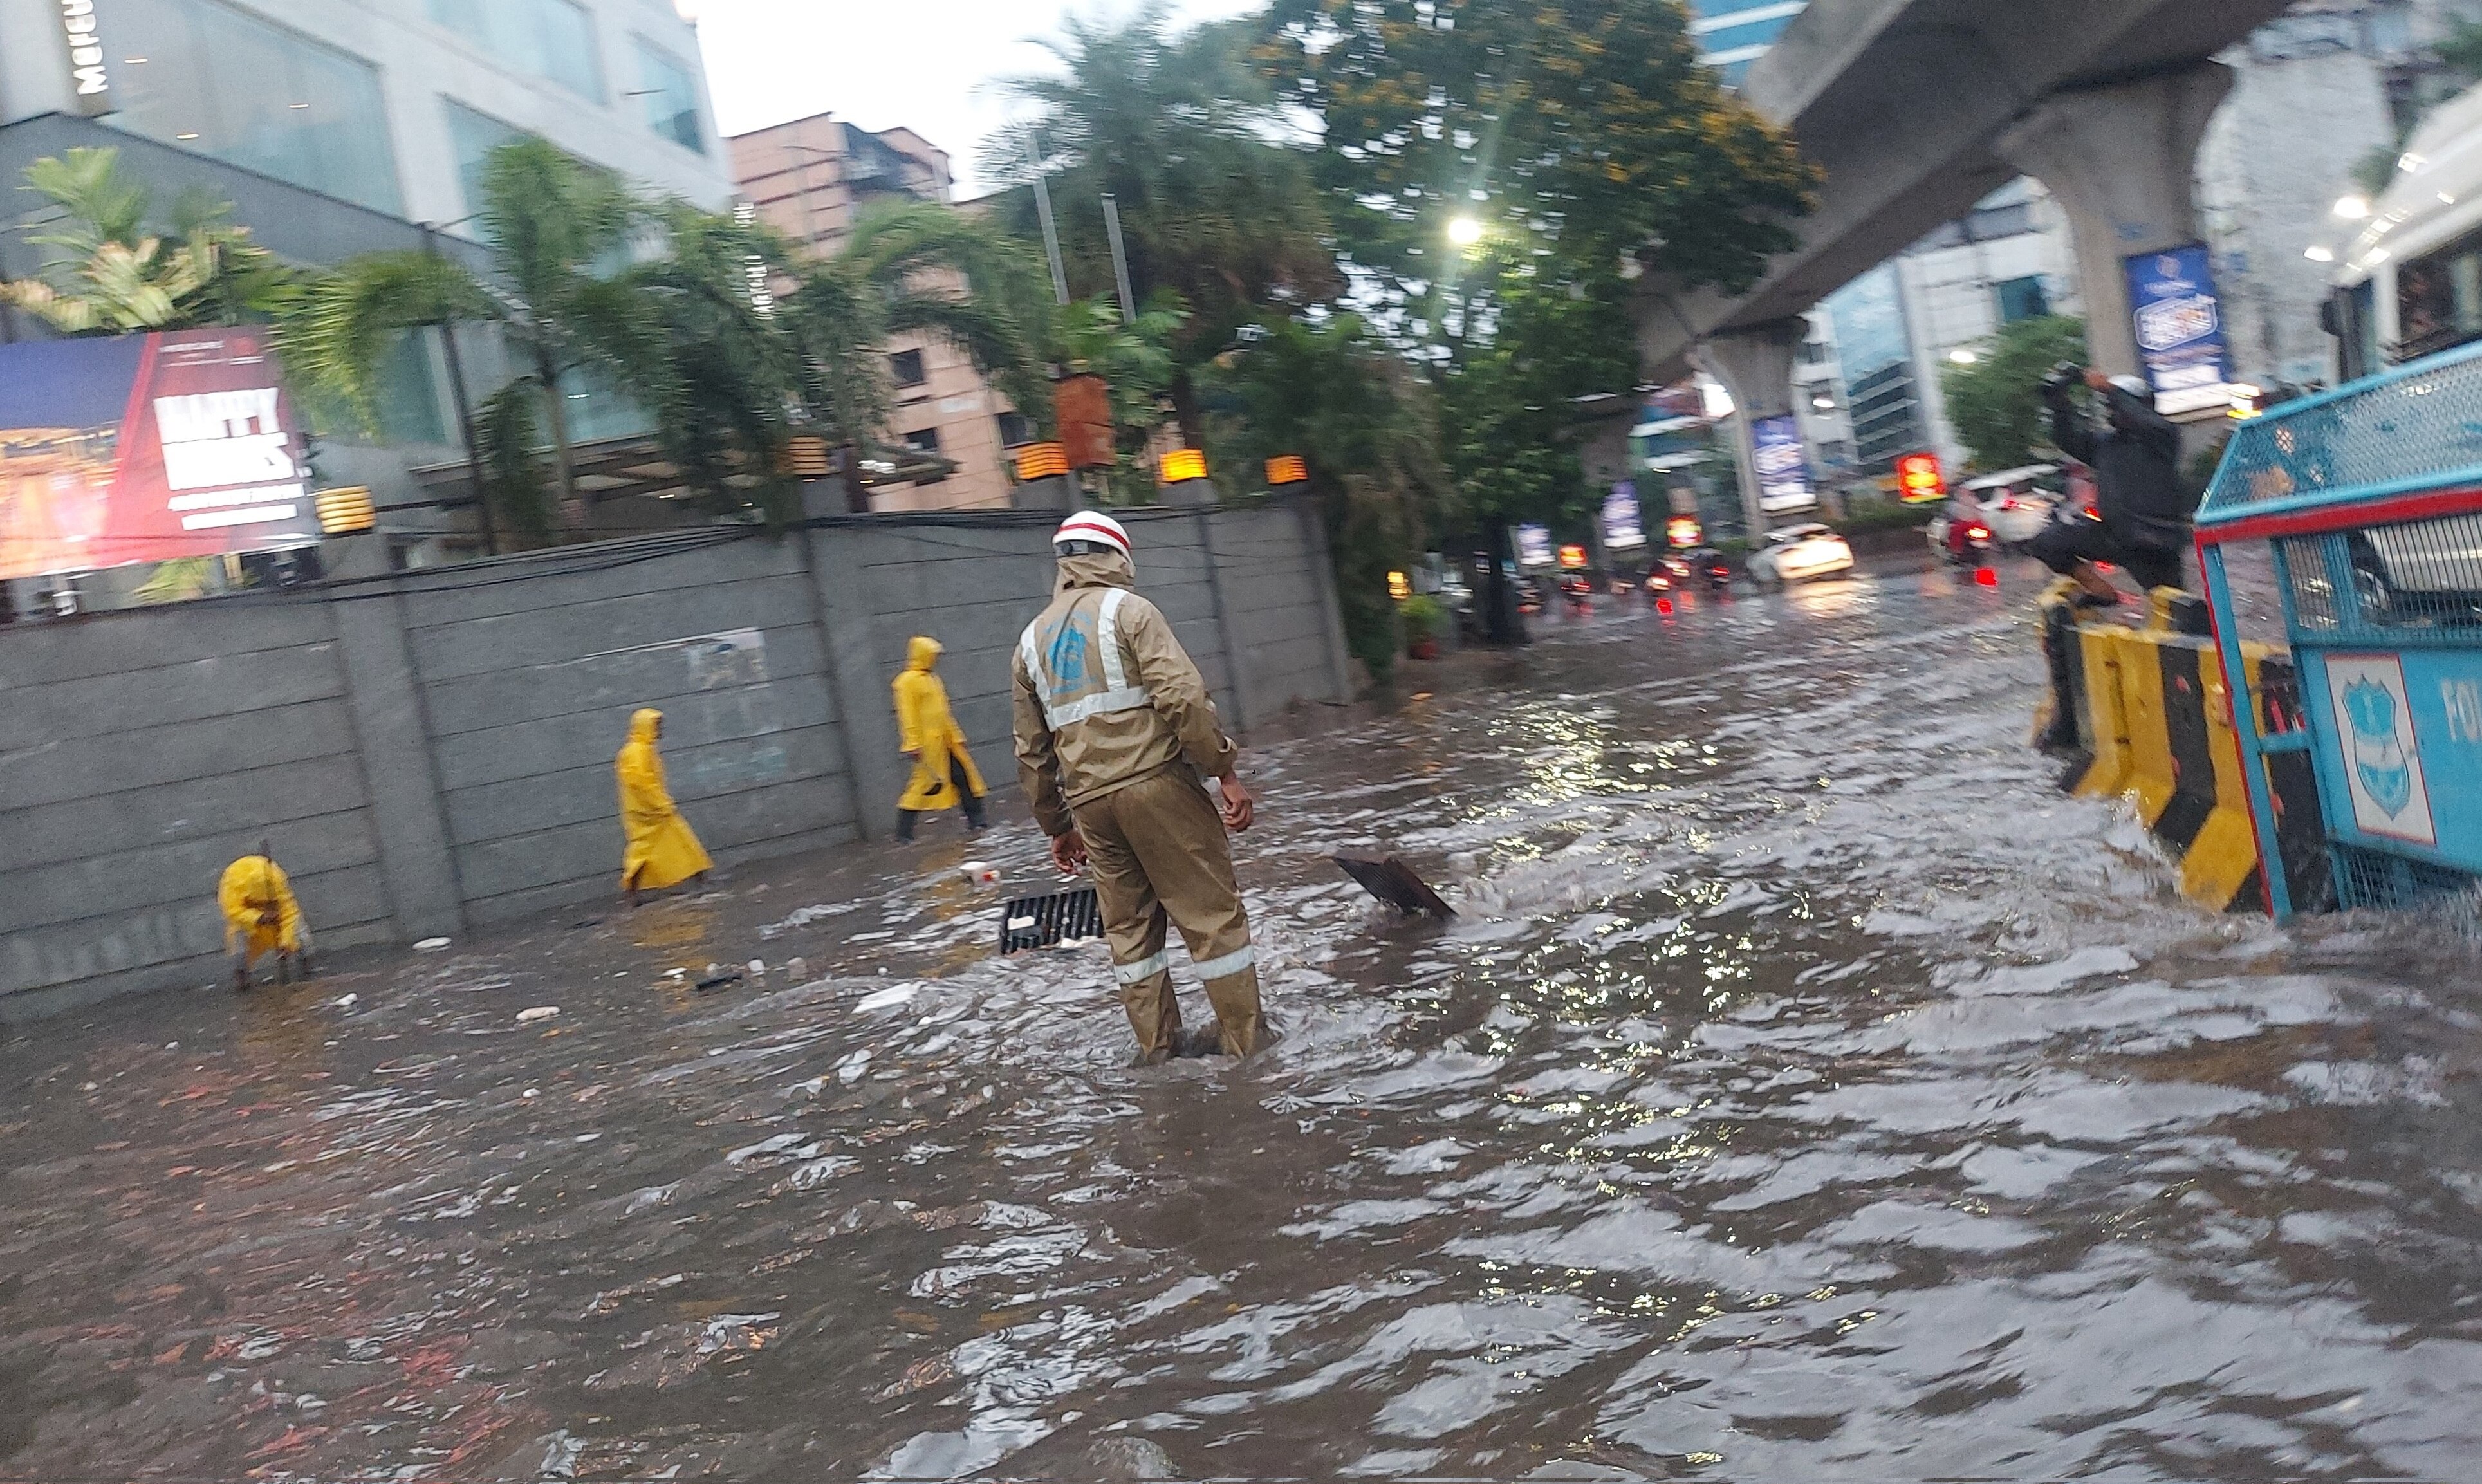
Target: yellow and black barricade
{"type": "Point", "coordinates": [2144, 714]}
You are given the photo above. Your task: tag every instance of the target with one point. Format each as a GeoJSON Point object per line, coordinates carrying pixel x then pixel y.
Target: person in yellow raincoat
{"type": "Point", "coordinates": [662, 849]}
{"type": "Point", "coordinates": [943, 772]}
{"type": "Point", "coordinates": [261, 918]}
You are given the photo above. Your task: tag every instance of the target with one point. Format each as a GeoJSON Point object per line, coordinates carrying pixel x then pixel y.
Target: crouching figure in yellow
{"type": "Point", "coordinates": [261, 918]}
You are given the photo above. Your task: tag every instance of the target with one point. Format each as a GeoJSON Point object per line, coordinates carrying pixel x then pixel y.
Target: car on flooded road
{"type": "Point", "coordinates": [1799, 552]}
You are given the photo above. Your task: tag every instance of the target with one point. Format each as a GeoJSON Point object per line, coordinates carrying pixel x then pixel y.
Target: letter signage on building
{"type": "Point", "coordinates": [1783, 469]}
{"type": "Point", "coordinates": [2180, 322]}
{"type": "Point", "coordinates": [90, 77]}
{"type": "Point", "coordinates": [146, 448]}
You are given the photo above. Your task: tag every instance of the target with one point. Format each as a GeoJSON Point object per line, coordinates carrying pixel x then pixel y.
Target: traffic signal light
{"type": "Point", "coordinates": [1920, 479]}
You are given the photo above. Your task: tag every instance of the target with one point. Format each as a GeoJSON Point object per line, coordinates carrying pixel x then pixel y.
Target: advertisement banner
{"type": "Point", "coordinates": [1623, 524]}
{"type": "Point", "coordinates": [2181, 329]}
{"type": "Point", "coordinates": [1783, 469]}
{"type": "Point", "coordinates": [146, 448]}
{"type": "Point", "coordinates": [1534, 547]}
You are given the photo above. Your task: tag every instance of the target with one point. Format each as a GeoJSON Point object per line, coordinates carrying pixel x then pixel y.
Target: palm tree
{"type": "Point", "coordinates": [105, 272]}
{"type": "Point", "coordinates": [559, 234]}
{"type": "Point", "coordinates": [1178, 131]}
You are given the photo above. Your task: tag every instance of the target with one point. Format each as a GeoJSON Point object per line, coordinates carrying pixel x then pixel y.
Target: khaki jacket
{"type": "Point", "coordinates": [1105, 694]}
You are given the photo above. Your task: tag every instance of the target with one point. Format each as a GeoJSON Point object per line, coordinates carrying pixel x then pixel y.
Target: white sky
{"type": "Point", "coordinates": [923, 63]}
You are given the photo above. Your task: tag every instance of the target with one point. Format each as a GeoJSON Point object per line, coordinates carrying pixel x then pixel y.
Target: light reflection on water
{"type": "Point", "coordinates": [1807, 1091]}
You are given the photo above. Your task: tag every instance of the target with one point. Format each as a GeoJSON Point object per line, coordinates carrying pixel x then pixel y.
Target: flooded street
{"type": "Point", "coordinates": [1806, 1089]}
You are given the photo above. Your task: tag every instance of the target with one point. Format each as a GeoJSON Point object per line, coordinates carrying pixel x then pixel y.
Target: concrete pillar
{"type": "Point", "coordinates": [2122, 162]}
{"type": "Point", "coordinates": [848, 636]}
{"type": "Point", "coordinates": [1339, 658]}
{"type": "Point", "coordinates": [1236, 658]}
{"type": "Point", "coordinates": [384, 696]}
{"type": "Point", "coordinates": [1755, 367]}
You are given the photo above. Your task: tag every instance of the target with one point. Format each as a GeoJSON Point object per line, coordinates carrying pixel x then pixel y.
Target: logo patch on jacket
{"type": "Point", "coordinates": [1066, 658]}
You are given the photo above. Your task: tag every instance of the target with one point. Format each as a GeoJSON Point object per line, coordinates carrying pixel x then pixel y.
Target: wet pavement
{"type": "Point", "coordinates": [1806, 1091]}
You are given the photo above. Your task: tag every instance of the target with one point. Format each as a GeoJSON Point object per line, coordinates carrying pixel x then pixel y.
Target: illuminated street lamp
{"type": "Point", "coordinates": [1465, 231]}
{"type": "Point", "coordinates": [2352, 208]}
{"type": "Point", "coordinates": [1963, 356]}
{"type": "Point", "coordinates": [2320, 253]}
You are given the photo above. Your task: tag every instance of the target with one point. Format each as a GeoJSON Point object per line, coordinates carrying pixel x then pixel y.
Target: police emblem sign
{"type": "Point", "coordinates": [2179, 323]}
{"type": "Point", "coordinates": [2374, 727]}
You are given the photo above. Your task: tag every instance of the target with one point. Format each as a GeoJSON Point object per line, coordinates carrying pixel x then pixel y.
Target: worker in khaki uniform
{"type": "Point", "coordinates": [1115, 736]}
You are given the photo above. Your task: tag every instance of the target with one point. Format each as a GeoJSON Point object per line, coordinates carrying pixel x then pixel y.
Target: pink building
{"type": "Point", "coordinates": [809, 179]}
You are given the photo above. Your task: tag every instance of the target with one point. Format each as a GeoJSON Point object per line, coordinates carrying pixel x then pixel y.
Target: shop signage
{"type": "Point", "coordinates": [1623, 524]}
{"type": "Point", "coordinates": [90, 83]}
{"type": "Point", "coordinates": [1783, 469]}
{"type": "Point", "coordinates": [2180, 321]}
{"type": "Point", "coordinates": [146, 448]}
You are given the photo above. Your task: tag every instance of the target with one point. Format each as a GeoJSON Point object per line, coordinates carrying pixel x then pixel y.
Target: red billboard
{"type": "Point", "coordinates": [145, 448]}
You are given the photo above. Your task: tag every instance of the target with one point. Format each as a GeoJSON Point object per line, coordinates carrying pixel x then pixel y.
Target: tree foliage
{"type": "Point", "coordinates": [1183, 132]}
{"type": "Point", "coordinates": [1368, 428]}
{"type": "Point", "coordinates": [1589, 122]}
{"type": "Point", "coordinates": [108, 271]}
{"type": "Point", "coordinates": [1995, 404]}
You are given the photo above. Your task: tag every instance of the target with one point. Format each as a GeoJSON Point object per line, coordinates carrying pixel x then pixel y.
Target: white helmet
{"type": "Point", "coordinates": [2136, 386]}
{"type": "Point", "coordinates": [1091, 527]}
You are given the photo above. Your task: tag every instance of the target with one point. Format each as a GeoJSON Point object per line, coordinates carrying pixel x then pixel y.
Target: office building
{"type": "Point", "coordinates": [811, 179]}
{"type": "Point", "coordinates": [338, 128]}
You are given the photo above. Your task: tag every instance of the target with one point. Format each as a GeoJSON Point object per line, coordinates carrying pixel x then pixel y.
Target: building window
{"type": "Point", "coordinates": [548, 38]}
{"type": "Point", "coordinates": [2023, 299]}
{"type": "Point", "coordinates": [671, 95]}
{"type": "Point", "coordinates": [907, 367]}
{"type": "Point", "coordinates": [216, 81]}
{"type": "Point", "coordinates": [924, 441]}
{"type": "Point", "coordinates": [473, 136]}
{"type": "Point", "coordinates": [1015, 430]}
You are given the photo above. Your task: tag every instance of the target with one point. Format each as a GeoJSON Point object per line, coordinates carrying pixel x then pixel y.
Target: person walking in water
{"type": "Point", "coordinates": [261, 916]}
{"type": "Point", "coordinates": [662, 849]}
{"type": "Point", "coordinates": [944, 771]}
{"type": "Point", "coordinates": [1115, 738]}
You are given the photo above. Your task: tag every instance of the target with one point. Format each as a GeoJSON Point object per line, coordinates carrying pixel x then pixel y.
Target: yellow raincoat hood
{"type": "Point", "coordinates": [921, 652]}
{"type": "Point", "coordinates": [643, 724]}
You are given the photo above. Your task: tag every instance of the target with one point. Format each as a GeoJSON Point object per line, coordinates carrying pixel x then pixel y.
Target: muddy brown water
{"type": "Point", "coordinates": [1807, 1091]}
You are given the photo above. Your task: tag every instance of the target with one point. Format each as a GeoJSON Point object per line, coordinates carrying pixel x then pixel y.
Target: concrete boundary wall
{"type": "Point", "coordinates": [431, 752]}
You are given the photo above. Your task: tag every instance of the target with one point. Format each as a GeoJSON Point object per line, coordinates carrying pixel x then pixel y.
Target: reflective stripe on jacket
{"type": "Point", "coordinates": [1105, 694]}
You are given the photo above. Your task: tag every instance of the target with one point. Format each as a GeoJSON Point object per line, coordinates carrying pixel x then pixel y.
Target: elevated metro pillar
{"type": "Point", "coordinates": [2124, 162]}
{"type": "Point", "coordinates": [1755, 367]}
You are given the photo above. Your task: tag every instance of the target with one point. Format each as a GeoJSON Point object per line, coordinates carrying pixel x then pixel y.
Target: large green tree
{"type": "Point", "coordinates": [1996, 403]}
{"type": "Point", "coordinates": [1498, 175]}
{"type": "Point", "coordinates": [1183, 133]}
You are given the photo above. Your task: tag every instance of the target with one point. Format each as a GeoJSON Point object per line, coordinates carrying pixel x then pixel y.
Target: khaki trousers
{"type": "Point", "coordinates": [1160, 858]}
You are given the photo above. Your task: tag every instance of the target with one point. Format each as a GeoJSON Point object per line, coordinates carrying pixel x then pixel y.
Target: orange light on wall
{"type": "Point", "coordinates": [804, 457]}
{"type": "Point", "coordinates": [1182, 465]}
{"type": "Point", "coordinates": [1042, 460]}
{"type": "Point", "coordinates": [346, 511]}
{"type": "Point", "coordinates": [1920, 479]}
{"type": "Point", "coordinates": [1683, 532]}
{"type": "Point", "coordinates": [1287, 469]}
{"type": "Point", "coordinates": [1399, 586]}
{"type": "Point", "coordinates": [1573, 558]}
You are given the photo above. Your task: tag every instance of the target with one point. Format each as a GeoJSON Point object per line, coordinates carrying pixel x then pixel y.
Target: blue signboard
{"type": "Point", "coordinates": [1623, 524]}
{"type": "Point", "coordinates": [1783, 469]}
{"type": "Point", "coordinates": [2402, 734]}
{"type": "Point", "coordinates": [2180, 325]}
{"type": "Point", "coordinates": [1534, 547]}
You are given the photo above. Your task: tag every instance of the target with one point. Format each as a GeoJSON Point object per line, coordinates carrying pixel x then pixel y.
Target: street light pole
{"type": "Point", "coordinates": [1120, 259]}
{"type": "Point", "coordinates": [1043, 210]}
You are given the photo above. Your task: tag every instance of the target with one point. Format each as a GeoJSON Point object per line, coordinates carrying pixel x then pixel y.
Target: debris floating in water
{"type": "Point", "coordinates": [716, 981]}
{"type": "Point", "coordinates": [981, 873]}
{"type": "Point", "coordinates": [431, 945]}
{"type": "Point", "coordinates": [538, 1013]}
{"type": "Point", "coordinates": [799, 968]}
{"type": "Point", "coordinates": [346, 1001]}
{"type": "Point", "coordinates": [756, 968]}
{"type": "Point", "coordinates": [1394, 882]}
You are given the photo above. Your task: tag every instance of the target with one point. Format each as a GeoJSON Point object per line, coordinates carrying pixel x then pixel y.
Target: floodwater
{"type": "Point", "coordinates": [1807, 1091]}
